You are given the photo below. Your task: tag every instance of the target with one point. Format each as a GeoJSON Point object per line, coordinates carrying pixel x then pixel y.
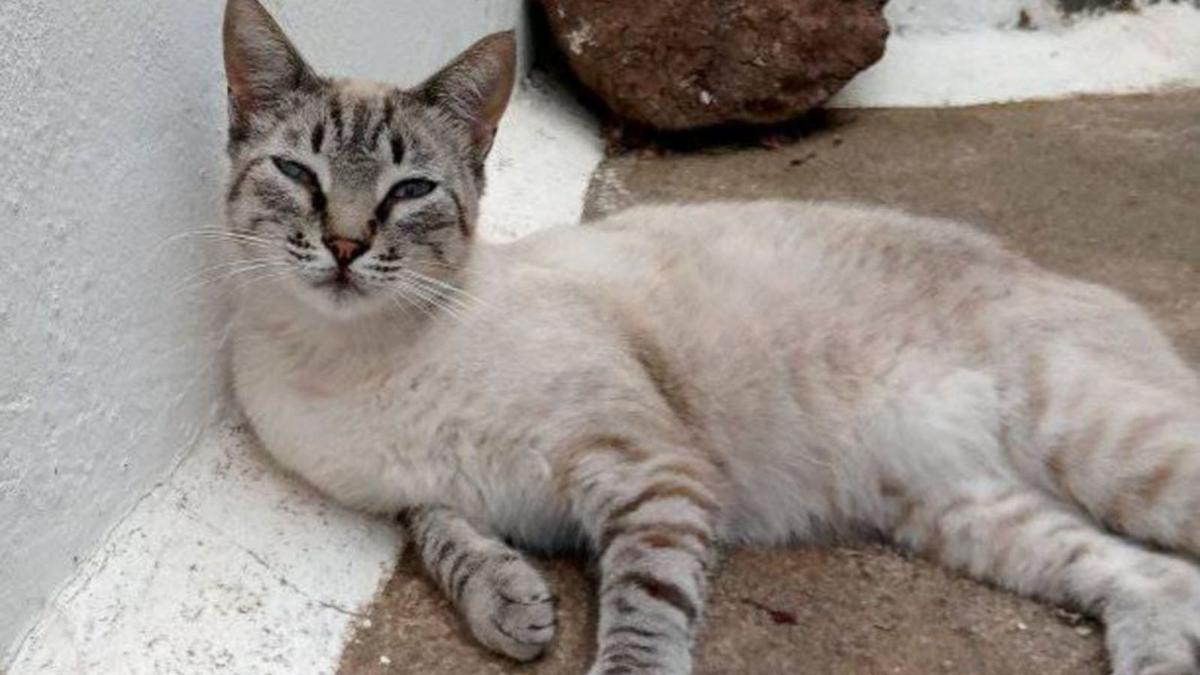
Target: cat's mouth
{"type": "Point", "coordinates": [341, 285]}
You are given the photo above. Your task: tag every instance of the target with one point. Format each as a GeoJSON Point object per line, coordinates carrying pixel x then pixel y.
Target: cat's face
{"type": "Point", "coordinates": [353, 196]}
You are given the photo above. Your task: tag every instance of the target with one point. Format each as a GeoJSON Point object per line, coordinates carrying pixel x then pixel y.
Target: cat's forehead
{"type": "Point", "coordinates": [353, 118]}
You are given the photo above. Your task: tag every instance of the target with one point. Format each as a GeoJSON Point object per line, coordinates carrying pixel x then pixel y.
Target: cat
{"type": "Point", "coordinates": [677, 378]}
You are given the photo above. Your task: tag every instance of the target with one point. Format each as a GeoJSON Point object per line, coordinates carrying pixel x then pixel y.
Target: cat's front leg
{"type": "Point", "coordinates": [652, 515]}
{"type": "Point", "coordinates": [504, 600]}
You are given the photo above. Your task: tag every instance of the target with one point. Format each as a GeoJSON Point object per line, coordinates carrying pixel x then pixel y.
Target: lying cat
{"type": "Point", "coordinates": [676, 378]}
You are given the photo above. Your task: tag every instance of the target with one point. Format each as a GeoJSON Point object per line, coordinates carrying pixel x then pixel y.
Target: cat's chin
{"type": "Point", "coordinates": [341, 302]}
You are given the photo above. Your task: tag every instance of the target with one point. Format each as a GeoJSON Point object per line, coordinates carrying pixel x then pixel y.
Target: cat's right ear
{"type": "Point", "coordinates": [261, 65]}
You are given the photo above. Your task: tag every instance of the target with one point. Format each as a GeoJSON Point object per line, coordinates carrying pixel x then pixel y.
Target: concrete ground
{"type": "Point", "coordinates": [1108, 190]}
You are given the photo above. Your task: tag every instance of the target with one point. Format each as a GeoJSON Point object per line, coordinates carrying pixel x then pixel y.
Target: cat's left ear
{"type": "Point", "coordinates": [476, 86]}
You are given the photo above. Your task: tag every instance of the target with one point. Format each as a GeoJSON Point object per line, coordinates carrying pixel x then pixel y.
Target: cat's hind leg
{"type": "Point", "coordinates": [1024, 540]}
{"type": "Point", "coordinates": [504, 600]}
{"type": "Point", "coordinates": [1121, 442]}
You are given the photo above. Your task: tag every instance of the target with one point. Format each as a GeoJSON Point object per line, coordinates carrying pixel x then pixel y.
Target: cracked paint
{"type": "Point", "coordinates": [228, 565]}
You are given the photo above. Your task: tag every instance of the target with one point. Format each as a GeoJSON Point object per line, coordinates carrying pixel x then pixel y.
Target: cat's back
{"type": "Point", "coordinates": [818, 235]}
{"type": "Point", "coordinates": [746, 289]}
{"type": "Point", "coordinates": [754, 254]}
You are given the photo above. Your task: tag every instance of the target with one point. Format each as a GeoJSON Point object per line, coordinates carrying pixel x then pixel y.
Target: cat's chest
{"type": "Point", "coordinates": [381, 439]}
{"type": "Point", "coordinates": [351, 432]}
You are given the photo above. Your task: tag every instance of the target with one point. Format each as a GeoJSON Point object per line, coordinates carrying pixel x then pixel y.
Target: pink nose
{"type": "Point", "coordinates": [345, 251]}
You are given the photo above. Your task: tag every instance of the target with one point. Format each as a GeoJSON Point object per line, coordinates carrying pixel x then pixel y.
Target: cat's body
{"type": "Point", "coordinates": [678, 377]}
{"type": "Point", "coordinates": [752, 315]}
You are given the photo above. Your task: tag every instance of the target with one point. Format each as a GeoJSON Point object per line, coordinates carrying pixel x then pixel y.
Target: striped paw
{"type": "Point", "coordinates": [633, 666]}
{"type": "Point", "coordinates": [510, 608]}
{"type": "Point", "coordinates": [1158, 633]}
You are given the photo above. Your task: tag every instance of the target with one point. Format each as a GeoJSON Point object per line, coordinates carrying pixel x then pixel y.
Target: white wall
{"type": "Point", "coordinates": [111, 144]}
{"type": "Point", "coordinates": [973, 52]}
{"type": "Point", "coordinates": [949, 16]}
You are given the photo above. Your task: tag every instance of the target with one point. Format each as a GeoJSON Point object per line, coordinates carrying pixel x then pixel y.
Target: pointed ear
{"type": "Point", "coordinates": [475, 87]}
{"type": "Point", "coordinates": [261, 65]}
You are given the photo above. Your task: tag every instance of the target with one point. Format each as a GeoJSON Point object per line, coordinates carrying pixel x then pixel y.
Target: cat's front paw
{"type": "Point", "coordinates": [510, 608]}
{"type": "Point", "coordinates": [1158, 632]}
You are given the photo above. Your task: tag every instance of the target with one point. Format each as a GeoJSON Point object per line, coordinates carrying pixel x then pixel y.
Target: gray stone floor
{"type": "Point", "coordinates": [1105, 189]}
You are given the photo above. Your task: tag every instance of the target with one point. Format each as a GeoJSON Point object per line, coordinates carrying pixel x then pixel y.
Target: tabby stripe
{"type": "Point", "coordinates": [385, 122]}
{"type": "Point", "coordinates": [439, 253]}
{"type": "Point", "coordinates": [639, 647]}
{"type": "Point", "coordinates": [1057, 466]}
{"type": "Point", "coordinates": [666, 592]}
{"type": "Point", "coordinates": [235, 191]}
{"type": "Point", "coordinates": [1055, 532]}
{"type": "Point", "coordinates": [425, 228]}
{"type": "Point", "coordinates": [318, 137]}
{"type": "Point", "coordinates": [428, 520]}
{"type": "Point", "coordinates": [1141, 431]}
{"type": "Point", "coordinates": [455, 565]}
{"type": "Point", "coordinates": [1091, 440]}
{"type": "Point", "coordinates": [624, 448]}
{"type": "Point", "coordinates": [616, 530]}
{"type": "Point", "coordinates": [575, 455]}
{"type": "Point", "coordinates": [276, 199]}
{"type": "Point", "coordinates": [442, 552]}
{"type": "Point", "coordinates": [661, 492]}
{"type": "Point", "coordinates": [397, 149]}
{"type": "Point", "coordinates": [623, 606]}
{"type": "Point", "coordinates": [1007, 529]}
{"type": "Point", "coordinates": [1143, 492]}
{"type": "Point", "coordinates": [362, 116]}
{"type": "Point", "coordinates": [1077, 553]}
{"type": "Point", "coordinates": [335, 115]}
{"type": "Point", "coordinates": [636, 631]}
{"type": "Point", "coordinates": [700, 474]}
{"type": "Point", "coordinates": [936, 537]}
{"type": "Point", "coordinates": [1152, 487]}
{"type": "Point", "coordinates": [620, 659]}
{"type": "Point", "coordinates": [463, 228]}
{"type": "Point", "coordinates": [465, 575]}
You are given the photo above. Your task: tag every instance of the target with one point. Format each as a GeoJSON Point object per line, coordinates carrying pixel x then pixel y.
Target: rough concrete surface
{"type": "Point", "coordinates": [1108, 190]}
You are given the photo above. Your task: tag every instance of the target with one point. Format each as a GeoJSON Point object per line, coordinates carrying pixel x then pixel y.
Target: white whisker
{"type": "Point", "coordinates": [230, 274]}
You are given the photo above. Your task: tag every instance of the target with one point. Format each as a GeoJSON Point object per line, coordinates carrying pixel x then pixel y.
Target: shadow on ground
{"type": "Point", "coordinates": [1108, 190]}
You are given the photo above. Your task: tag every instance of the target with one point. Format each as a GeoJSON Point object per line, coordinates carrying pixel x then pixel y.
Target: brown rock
{"type": "Point", "coordinates": [686, 64]}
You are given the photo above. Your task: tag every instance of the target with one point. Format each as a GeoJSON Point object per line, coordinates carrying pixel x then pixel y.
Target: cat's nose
{"type": "Point", "coordinates": [345, 251]}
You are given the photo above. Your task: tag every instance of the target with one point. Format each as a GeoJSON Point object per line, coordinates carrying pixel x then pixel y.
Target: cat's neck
{"type": "Point", "coordinates": [277, 321]}
{"type": "Point", "coordinates": [392, 330]}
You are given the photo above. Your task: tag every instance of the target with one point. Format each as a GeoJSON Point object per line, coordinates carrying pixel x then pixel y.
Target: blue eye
{"type": "Point", "coordinates": [413, 188]}
{"type": "Point", "coordinates": [303, 176]}
{"type": "Point", "coordinates": [294, 170]}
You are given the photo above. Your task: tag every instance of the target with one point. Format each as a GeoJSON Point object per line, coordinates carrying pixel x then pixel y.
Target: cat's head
{"type": "Point", "coordinates": [350, 195]}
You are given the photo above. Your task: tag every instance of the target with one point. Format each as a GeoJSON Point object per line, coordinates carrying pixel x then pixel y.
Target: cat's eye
{"type": "Point", "coordinates": [413, 188]}
{"type": "Point", "coordinates": [304, 176]}
{"type": "Point", "coordinates": [295, 170]}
